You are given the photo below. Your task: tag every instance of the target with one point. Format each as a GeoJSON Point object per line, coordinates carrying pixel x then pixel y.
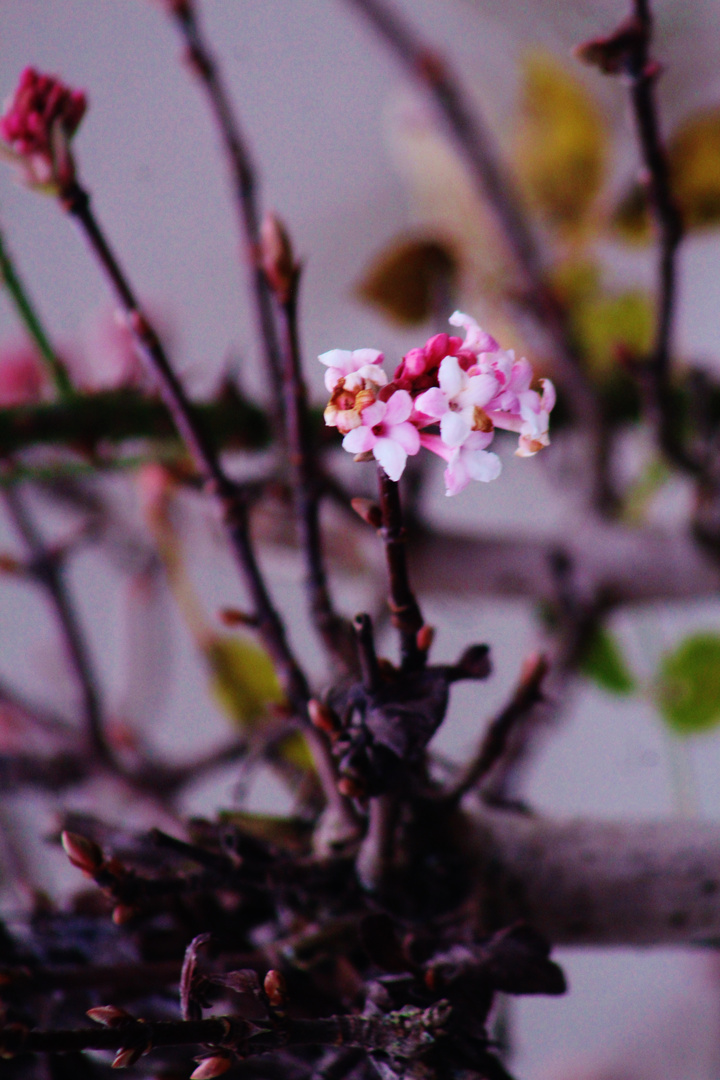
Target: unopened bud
{"type": "Point", "coordinates": [211, 1066]}
{"type": "Point", "coordinates": [125, 1058]}
{"type": "Point", "coordinates": [424, 637]}
{"type": "Point", "coordinates": [111, 1016]}
{"type": "Point", "coordinates": [475, 662]}
{"type": "Point", "coordinates": [351, 788]}
{"type": "Point", "coordinates": [275, 989]}
{"type": "Point", "coordinates": [83, 853]}
{"type": "Point", "coordinates": [235, 617]}
{"type": "Point", "coordinates": [322, 717]}
{"type": "Point", "coordinates": [123, 913]}
{"type": "Point", "coordinates": [276, 258]}
{"type": "Point", "coordinates": [369, 511]}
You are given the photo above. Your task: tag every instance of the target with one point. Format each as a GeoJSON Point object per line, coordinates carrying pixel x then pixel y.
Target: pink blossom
{"type": "Point", "coordinates": [386, 431]}
{"type": "Point", "coordinates": [22, 376]}
{"type": "Point", "coordinates": [535, 412]}
{"type": "Point", "coordinates": [342, 362]}
{"type": "Point", "coordinates": [471, 461]}
{"type": "Point", "coordinates": [458, 401]}
{"type": "Point", "coordinates": [477, 340]}
{"type": "Point", "coordinates": [38, 125]}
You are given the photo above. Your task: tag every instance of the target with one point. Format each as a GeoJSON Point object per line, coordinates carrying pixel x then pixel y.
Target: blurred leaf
{"type": "Point", "coordinates": [694, 153]}
{"type": "Point", "coordinates": [694, 159]}
{"type": "Point", "coordinates": [242, 678]}
{"type": "Point", "coordinates": [641, 492]}
{"type": "Point", "coordinates": [605, 325]}
{"type": "Point", "coordinates": [295, 751]}
{"type": "Point", "coordinates": [408, 278]}
{"type": "Point", "coordinates": [603, 663]}
{"type": "Point", "coordinates": [290, 834]}
{"type": "Point", "coordinates": [688, 688]}
{"type": "Point", "coordinates": [561, 150]}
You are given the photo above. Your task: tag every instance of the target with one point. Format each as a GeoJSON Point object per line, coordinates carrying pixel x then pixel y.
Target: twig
{"type": "Point", "coordinates": [528, 693]}
{"type": "Point", "coordinates": [405, 1034]}
{"type": "Point", "coordinates": [475, 144]}
{"type": "Point", "coordinates": [48, 573]}
{"type": "Point", "coordinates": [243, 171]}
{"type": "Point", "coordinates": [405, 610]}
{"type": "Point", "coordinates": [230, 501]}
{"type": "Point", "coordinates": [335, 632]}
{"type": "Point", "coordinates": [31, 320]}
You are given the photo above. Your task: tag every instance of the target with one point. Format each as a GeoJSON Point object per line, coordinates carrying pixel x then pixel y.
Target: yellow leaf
{"type": "Point", "coordinates": [561, 148]}
{"type": "Point", "coordinates": [694, 161]}
{"type": "Point", "coordinates": [406, 280]}
{"type": "Point", "coordinates": [694, 154]}
{"type": "Point", "coordinates": [242, 678]}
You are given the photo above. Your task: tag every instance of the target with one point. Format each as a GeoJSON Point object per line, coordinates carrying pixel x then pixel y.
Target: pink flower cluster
{"type": "Point", "coordinates": [448, 396]}
{"type": "Point", "coordinates": [38, 123]}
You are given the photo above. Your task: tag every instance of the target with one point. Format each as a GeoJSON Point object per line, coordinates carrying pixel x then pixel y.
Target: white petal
{"type": "Point", "coordinates": [480, 389]}
{"type": "Point", "coordinates": [367, 356]}
{"type": "Point", "coordinates": [451, 376]}
{"type": "Point", "coordinates": [399, 407]}
{"type": "Point", "coordinates": [339, 358]}
{"type": "Point", "coordinates": [433, 402]}
{"type": "Point", "coordinates": [482, 465]}
{"type": "Point", "coordinates": [454, 429]}
{"type": "Point", "coordinates": [407, 435]}
{"type": "Point", "coordinates": [374, 414]}
{"type": "Point", "coordinates": [391, 456]}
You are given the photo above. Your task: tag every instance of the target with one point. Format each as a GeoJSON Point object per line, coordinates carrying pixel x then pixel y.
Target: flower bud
{"type": "Point", "coordinates": [83, 853]}
{"type": "Point", "coordinates": [111, 1016]}
{"type": "Point", "coordinates": [38, 125]}
{"type": "Point", "coordinates": [369, 511]}
{"type": "Point", "coordinates": [210, 1067]}
{"type": "Point", "coordinates": [322, 717]}
{"type": "Point", "coordinates": [276, 258]}
{"type": "Point", "coordinates": [125, 1058]}
{"type": "Point", "coordinates": [275, 989]}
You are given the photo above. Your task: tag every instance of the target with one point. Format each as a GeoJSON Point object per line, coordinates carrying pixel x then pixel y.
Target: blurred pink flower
{"type": "Point", "coordinates": [23, 379]}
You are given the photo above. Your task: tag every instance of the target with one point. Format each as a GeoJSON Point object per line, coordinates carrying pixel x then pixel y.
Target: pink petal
{"type": "Point", "coordinates": [399, 408]}
{"type": "Point", "coordinates": [454, 429]}
{"type": "Point", "coordinates": [436, 445]}
{"type": "Point", "coordinates": [482, 465]}
{"type": "Point", "coordinates": [359, 440]}
{"type": "Point", "coordinates": [548, 395]}
{"type": "Point", "coordinates": [480, 390]}
{"type": "Point", "coordinates": [391, 456]}
{"type": "Point", "coordinates": [337, 358]}
{"type": "Point", "coordinates": [367, 356]}
{"type": "Point", "coordinates": [433, 402]}
{"type": "Point", "coordinates": [456, 475]}
{"type": "Point", "coordinates": [374, 414]}
{"type": "Point", "coordinates": [407, 435]}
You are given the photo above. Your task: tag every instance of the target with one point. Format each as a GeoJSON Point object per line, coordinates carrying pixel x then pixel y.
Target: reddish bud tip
{"type": "Point", "coordinates": [111, 1016]}
{"type": "Point", "coordinates": [351, 788]}
{"type": "Point", "coordinates": [322, 717]}
{"type": "Point", "coordinates": [275, 989]}
{"type": "Point", "coordinates": [235, 617]}
{"type": "Point", "coordinates": [211, 1066]}
{"type": "Point", "coordinates": [425, 637]}
{"type": "Point", "coordinates": [369, 511]}
{"type": "Point", "coordinates": [83, 853]}
{"type": "Point", "coordinates": [122, 914]}
{"type": "Point", "coordinates": [276, 258]}
{"type": "Point", "coordinates": [125, 1058]}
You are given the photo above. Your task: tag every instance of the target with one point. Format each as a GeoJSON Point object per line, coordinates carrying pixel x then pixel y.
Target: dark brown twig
{"type": "Point", "coordinates": [475, 144]}
{"type": "Point", "coordinates": [527, 694]}
{"type": "Point", "coordinates": [243, 172]}
{"type": "Point", "coordinates": [406, 615]}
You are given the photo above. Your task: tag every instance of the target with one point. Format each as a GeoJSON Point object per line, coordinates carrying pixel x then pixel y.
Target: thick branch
{"type": "Point", "coordinates": [601, 882]}
{"type": "Point", "coordinates": [404, 607]}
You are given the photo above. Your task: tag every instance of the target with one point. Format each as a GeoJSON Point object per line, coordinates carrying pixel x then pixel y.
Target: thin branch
{"type": "Point", "coordinates": [232, 505]}
{"type": "Point", "coordinates": [243, 172]}
{"type": "Point", "coordinates": [32, 322]}
{"type": "Point", "coordinates": [476, 146]}
{"type": "Point", "coordinates": [405, 610]}
{"type": "Point", "coordinates": [48, 572]}
{"type": "Point", "coordinates": [528, 693]}
{"type": "Point", "coordinates": [335, 631]}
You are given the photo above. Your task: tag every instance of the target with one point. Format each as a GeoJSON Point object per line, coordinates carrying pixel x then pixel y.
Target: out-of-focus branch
{"type": "Point", "coordinates": [47, 572]}
{"type": "Point", "coordinates": [608, 883]}
{"type": "Point", "coordinates": [476, 146]}
{"type": "Point", "coordinates": [25, 308]}
{"type": "Point", "coordinates": [243, 173]}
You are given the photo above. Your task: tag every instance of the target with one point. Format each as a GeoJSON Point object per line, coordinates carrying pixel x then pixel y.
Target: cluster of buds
{"type": "Point", "coordinates": [38, 123]}
{"type": "Point", "coordinates": [447, 396]}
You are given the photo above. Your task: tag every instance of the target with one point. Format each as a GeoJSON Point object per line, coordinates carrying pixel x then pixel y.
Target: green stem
{"type": "Point", "coordinates": [33, 325]}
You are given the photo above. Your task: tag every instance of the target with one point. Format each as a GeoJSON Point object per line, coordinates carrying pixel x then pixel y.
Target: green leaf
{"type": "Point", "coordinates": [604, 664]}
{"type": "Point", "coordinates": [561, 150]}
{"type": "Point", "coordinates": [688, 685]}
{"type": "Point", "coordinates": [242, 678]}
{"type": "Point", "coordinates": [406, 279]}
